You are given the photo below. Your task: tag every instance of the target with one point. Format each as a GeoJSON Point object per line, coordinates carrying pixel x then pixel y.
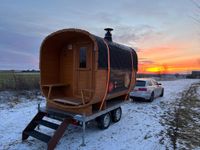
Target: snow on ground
{"type": "Point", "coordinates": [139, 127]}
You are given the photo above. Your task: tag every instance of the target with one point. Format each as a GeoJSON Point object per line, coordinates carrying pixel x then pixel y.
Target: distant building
{"type": "Point", "coordinates": [195, 74]}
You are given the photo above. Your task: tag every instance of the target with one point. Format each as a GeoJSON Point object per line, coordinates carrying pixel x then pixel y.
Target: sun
{"type": "Point", "coordinates": [155, 69]}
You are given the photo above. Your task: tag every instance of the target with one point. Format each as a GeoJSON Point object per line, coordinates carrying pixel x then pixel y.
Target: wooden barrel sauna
{"type": "Point", "coordinates": [80, 71]}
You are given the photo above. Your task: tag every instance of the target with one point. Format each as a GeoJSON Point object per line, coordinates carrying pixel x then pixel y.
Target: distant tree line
{"type": "Point", "coordinates": [30, 70]}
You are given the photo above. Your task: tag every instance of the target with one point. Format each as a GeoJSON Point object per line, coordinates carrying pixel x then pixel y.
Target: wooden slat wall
{"type": "Point", "coordinates": [66, 70]}
{"type": "Point", "coordinates": [50, 70]}
{"type": "Point", "coordinates": [100, 86]}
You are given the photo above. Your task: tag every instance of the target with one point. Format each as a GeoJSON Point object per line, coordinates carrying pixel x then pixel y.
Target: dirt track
{"type": "Point", "coordinates": [183, 121]}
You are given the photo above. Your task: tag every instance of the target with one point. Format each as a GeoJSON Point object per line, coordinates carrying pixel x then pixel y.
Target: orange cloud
{"type": "Point", "coordinates": [176, 55]}
{"type": "Point", "coordinates": [184, 64]}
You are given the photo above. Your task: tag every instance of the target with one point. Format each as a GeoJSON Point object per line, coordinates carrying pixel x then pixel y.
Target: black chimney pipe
{"type": "Point", "coordinates": [108, 35]}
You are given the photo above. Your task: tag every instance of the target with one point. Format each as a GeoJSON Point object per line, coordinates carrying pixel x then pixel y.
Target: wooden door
{"type": "Point", "coordinates": [83, 69]}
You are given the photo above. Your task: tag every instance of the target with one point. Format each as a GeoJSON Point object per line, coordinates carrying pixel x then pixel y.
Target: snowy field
{"type": "Point", "coordinates": [140, 126]}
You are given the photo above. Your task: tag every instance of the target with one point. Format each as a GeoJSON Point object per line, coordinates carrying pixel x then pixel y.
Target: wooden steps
{"type": "Point", "coordinates": [48, 124]}
{"type": "Point", "coordinates": [40, 136]}
{"type": "Point", "coordinates": [50, 140]}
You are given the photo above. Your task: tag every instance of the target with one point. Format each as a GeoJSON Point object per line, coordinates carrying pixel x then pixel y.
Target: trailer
{"type": "Point", "coordinates": [83, 77]}
{"type": "Point", "coordinates": [104, 118]}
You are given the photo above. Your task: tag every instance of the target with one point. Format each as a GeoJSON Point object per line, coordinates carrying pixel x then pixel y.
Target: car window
{"type": "Point", "coordinates": [140, 83]}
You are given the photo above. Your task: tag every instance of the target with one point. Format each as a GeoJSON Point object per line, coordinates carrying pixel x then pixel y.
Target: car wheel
{"type": "Point", "coordinates": [104, 121]}
{"type": "Point", "coordinates": [116, 114]}
{"type": "Point", "coordinates": [162, 93]}
{"type": "Point", "coordinates": [152, 97]}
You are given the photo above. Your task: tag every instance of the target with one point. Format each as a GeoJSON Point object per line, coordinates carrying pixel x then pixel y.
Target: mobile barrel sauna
{"type": "Point", "coordinates": [83, 77]}
{"type": "Point", "coordinates": [80, 71]}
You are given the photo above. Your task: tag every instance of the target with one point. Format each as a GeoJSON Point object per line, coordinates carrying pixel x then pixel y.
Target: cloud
{"type": "Point", "coordinates": [144, 7]}
{"type": "Point", "coordinates": [18, 41]}
{"type": "Point", "coordinates": [13, 59]}
{"type": "Point", "coordinates": [145, 61]}
{"type": "Point", "coordinates": [18, 51]}
{"type": "Point", "coordinates": [131, 35]}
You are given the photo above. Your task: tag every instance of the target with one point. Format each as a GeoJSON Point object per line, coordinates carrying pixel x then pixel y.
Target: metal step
{"type": "Point", "coordinates": [40, 136]}
{"type": "Point", "coordinates": [48, 124]}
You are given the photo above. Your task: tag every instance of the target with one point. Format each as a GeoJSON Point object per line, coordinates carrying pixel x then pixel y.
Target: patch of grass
{"type": "Point", "coordinates": [183, 122]}
{"type": "Point", "coordinates": [19, 81]}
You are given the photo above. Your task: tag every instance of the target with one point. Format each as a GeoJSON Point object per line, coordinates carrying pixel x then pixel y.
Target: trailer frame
{"type": "Point", "coordinates": [60, 115]}
{"type": "Point", "coordinates": [66, 118]}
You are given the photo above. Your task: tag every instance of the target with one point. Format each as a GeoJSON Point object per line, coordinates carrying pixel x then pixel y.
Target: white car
{"type": "Point", "coordinates": [147, 88]}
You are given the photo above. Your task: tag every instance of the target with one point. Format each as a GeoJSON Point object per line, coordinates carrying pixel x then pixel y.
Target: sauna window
{"type": "Point", "coordinates": [82, 57]}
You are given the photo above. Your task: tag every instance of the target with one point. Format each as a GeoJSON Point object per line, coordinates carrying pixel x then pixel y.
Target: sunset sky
{"type": "Point", "coordinates": [165, 33]}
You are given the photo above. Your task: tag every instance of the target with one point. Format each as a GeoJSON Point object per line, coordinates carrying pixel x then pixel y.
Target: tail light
{"type": "Point", "coordinates": [142, 89]}
{"type": "Point", "coordinates": [110, 87]}
{"type": "Point", "coordinates": [75, 122]}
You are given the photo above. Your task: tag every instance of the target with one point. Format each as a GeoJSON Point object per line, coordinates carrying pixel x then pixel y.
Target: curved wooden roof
{"type": "Point", "coordinates": [119, 54]}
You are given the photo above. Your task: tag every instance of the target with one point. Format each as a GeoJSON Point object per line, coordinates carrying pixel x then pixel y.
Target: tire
{"type": "Point", "coordinates": [162, 93]}
{"type": "Point", "coordinates": [116, 114]}
{"type": "Point", "coordinates": [104, 121]}
{"type": "Point", "coordinates": [133, 98]}
{"type": "Point", "coordinates": [152, 97]}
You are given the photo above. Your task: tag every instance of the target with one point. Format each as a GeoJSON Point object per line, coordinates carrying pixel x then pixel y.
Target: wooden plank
{"type": "Point", "coordinates": [40, 136]}
{"type": "Point", "coordinates": [68, 101]}
{"type": "Point", "coordinates": [54, 85]}
{"type": "Point", "coordinates": [87, 109]}
{"type": "Point", "coordinates": [50, 86]}
{"type": "Point", "coordinates": [66, 68]}
{"type": "Point", "coordinates": [58, 134]}
{"type": "Point", "coordinates": [49, 93]}
{"type": "Point", "coordinates": [48, 124]}
{"type": "Point", "coordinates": [31, 126]}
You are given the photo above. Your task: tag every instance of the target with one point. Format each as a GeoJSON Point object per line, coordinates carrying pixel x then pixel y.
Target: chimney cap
{"type": "Point", "coordinates": [108, 29]}
{"type": "Point", "coordinates": [108, 35]}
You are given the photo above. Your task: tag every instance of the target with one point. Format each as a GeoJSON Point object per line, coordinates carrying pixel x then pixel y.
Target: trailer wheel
{"type": "Point", "coordinates": [104, 121]}
{"type": "Point", "coordinates": [116, 114]}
